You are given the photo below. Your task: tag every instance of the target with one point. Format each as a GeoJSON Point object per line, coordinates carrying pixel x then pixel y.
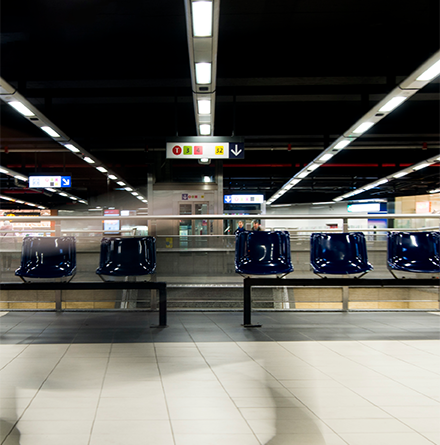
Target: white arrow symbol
{"type": "Point", "coordinates": [65, 181]}
{"type": "Point", "coordinates": [236, 152]}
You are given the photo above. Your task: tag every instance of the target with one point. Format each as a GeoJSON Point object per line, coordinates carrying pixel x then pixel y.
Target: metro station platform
{"type": "Point", "coordinates": [94, 378]}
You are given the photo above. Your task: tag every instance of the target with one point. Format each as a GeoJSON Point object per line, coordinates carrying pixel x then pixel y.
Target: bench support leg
{"type": "Point", "coordinates": [345, 298]}
{"type": "Point", "coordinates": [247, 305]}
{"type": "Point", "coordinates": [162, 308]}
{"type": "Point", "coordinates": [58, 300]}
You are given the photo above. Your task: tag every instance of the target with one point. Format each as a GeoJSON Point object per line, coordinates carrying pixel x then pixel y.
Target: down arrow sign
{"type": "Point", "coordinates": [236, 152]}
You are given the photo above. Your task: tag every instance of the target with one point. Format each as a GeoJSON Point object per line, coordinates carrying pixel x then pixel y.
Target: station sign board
{"type": "Point", "coordinates": [198, 147]}
{"type": "Point", "coordinates": [243, 199]}
{"type": "Point", "coordinates": [50, 181]}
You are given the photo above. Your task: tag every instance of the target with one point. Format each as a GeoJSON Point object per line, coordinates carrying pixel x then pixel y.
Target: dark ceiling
{"type": "Point", "coordinates": [292, 76]}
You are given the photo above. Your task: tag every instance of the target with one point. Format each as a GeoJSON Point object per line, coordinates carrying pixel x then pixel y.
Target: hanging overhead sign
{"type": "Point", "coordinates": [243, 199]}
{"type": "Point", "coordinates": [50, 181]}
{"type": "Point", "coordinates": [213, 147]}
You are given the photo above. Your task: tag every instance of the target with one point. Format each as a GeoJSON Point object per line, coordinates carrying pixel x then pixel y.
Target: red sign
{"type": "Point", "coordinates": [198, 149]}
{"type": "Point", "coordinates": [177, 150]}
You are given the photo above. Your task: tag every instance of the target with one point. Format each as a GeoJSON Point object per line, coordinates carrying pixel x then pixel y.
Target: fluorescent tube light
{"type": "Point", "coordinates": [121, 183]}
{"type": "Point", "coordinates": [342, 144]}
{"type": "Point", "coordinates": [326, 157]}
{"type": "Point", "coordinates": [393, 103]}
{"type": "Point", "coordinates": [3, 170]}
{"type": "Point", "coordinates": [205, 129]}
{"type": "Point", "coordinates": [101, 169]}
{"type": "Point", "coordinates": [71, 148]}
{"type": "Point", "coordinates": [129, 189]}
{"type": "Point", "coordinates": [82, 201]}
{"type": "Point", "coordinates": [339, 198]}
{"type": "Point", "coordinates": [140, 197]}
{"type": "Point", "coordinates": [400, 174]}
{"type": "Point", "coordinates": [383, 181]}
{"type": "Point", "coordinates": [89, 160]}
{"type": "Point", "coordinates": [312, 167]}
{"type": "Point", "coordinates": [21, 178]}
{"type": "Point", "coordinates": [22, 109]}
{"type": "Point", "coordinates": [112, 177]}
{"type": "Point", "coordinates": [206, 179]}
{"type": "Point", "coordinates": [420, 166]}
{"type": "Point", "coordinates": [363, 127]}
{"type": "Point", "coordinates": [63, 194]}
{"type": "Point", "coordinates": [50, 131]}
{"type": "Point", "coordinates": [134, 193]}
{"type": "Point", "coordinates": [72, 197]}
{"type": "Point", "coordinates": [202, 19]}
{"type": "Point", "coordinates": [203, 73]}
{"type": "Point", "coordinates": [431, 72]}
{"type": "Point", "coordinates": [434, 191]}
{"type": "Point", "coordinates": [204, 106]}
{"type": "Point", "coordinates": [51, 190]}
{"type": "Point", "coordinates": [19, 202]}
{"type": "Point", "coordinates": [303, 174]}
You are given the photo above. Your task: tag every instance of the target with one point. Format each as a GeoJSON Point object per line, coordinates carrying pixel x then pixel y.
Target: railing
{"type": "Point", "coordinates": [200, 271]}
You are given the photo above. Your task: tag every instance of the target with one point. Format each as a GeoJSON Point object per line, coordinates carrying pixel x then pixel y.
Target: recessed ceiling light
{"type": "Point", "coordinates": [393, 103]}
{"type": "Point", "coordinates": [71, 148]}
{"type": "Point", "coordinates": [22, 109]}
{"type": "Point", "coordinates": [202, 19]}
{"type": "Point", "coordinates": [50, 131]}
{"type": "Point", "coordinates": [431, 72]}
{"type": "Point", "coordinates": [203, 73]}
{"type": "Point", "coordinates": [89, 160]}
{"type": "Point", "coordinates": [363, 127]}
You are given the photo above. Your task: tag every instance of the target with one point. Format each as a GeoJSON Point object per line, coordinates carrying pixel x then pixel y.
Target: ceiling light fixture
{"type": "Point", "coordinates": [21, 178]}
{"type": "Point", "coordinates": [204, 106]}
{"type": "Point", "coordinates": [400, 174]}
{"type": "Point", "coordinates": [128, 189]}
{"type": "Point", "coordinates": [205, 129]}
{"type": "Point", "coordinates": [430, 73]}
{"type": "Point", "coordinates": [363, 127]}
{"type": "Point", "coordinates": [21, 108]}
{"type": "Point", "coordinates": [342, 144]}
{"type": "Point", "coordinates": [89, 160]}
{"type": "Point", "coordinates": [202, 19]}
{"type": "Point", "coordinates": [121, 183]}
{"type": "Point", "coordinates": [71, 148]}
{"type": "Point", "coordinates": [393, 103]}
{"type": "Point", "coordinates": [326, 157]}
{"type": "Point", "coordinates": [101, 169]}
{"type": "Point", "coordinates": [203, 73]}
{"type": "Point", "coordinates": [420, 166]}
{"type": "Point", "coordinates": [50, 131]}
{"type": "Point", "coordinates": [112, 177]}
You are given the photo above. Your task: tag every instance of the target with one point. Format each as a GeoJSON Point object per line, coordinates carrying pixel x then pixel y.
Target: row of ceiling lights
{"type": "Point", "coordinates": [416, 81]}
{"type": "Point", "coordinates": [13, 98]}
{"type": "Point", "coordinates": [202, 19]}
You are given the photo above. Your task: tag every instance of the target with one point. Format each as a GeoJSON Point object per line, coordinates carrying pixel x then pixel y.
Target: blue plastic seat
{"type": "Point", "coordinates": [123, 257]}
{"type": "Point", "coordinates": [339, 253]}
{"type": "Point", "coordinates": [47, 258]}
{"type": "Point", "coordinates": [263, 253]}
{"type": "Point", "coordinates": [415, 252]}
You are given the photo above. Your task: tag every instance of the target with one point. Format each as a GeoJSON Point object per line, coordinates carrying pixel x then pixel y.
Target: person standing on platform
{"type": "Point", "coordinates": [240, 228]}
{"type": "Point", "coordinates": [256, 226]}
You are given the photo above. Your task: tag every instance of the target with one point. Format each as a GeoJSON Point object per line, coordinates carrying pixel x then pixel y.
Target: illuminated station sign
{"type": "Point", "coordinates": [199, 147]}
{"type": "Point", "coordinates": [50, 181]}
{"type": "Point", "coordinates": [243, 199]}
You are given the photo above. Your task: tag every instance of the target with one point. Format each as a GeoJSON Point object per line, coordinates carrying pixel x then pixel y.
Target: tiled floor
{"type": "Point", "coordinates": [303, 379]}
